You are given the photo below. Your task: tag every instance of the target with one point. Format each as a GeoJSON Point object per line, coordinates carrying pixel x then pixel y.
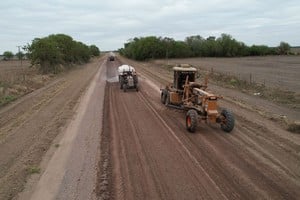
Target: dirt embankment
{"type": "Point", "coordinates": [29, 125]}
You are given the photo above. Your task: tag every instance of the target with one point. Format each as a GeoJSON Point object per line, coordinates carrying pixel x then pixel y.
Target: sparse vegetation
{"type": "Point", "coordinates": [7, 99]}
{"type": "Point", "coordinates": [20, 55]}
{"type": "Point", "coordinates": [8, 55]}
{"type": "Point", "coordinates": [34, 170]}
{"type": "Point", "coordinates": [284, 48]}
{"type": "Point", "coordinates": [273, 94]}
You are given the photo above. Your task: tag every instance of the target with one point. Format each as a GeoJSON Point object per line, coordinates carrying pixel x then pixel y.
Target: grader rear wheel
{"type": "Point", "coordinates": [167, 101]}
{"type": "Point", "coordinates": [163, 97]}
{"type": "Point", "coordinates": [191, 120]}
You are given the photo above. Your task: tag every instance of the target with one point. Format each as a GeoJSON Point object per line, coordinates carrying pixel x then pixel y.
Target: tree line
{"type": "Point", "coordinates": [54, 52]}
{"type": "Point", "coordinates": [8, 55]}
{"type": "Point", "coordinates": [153, 47]}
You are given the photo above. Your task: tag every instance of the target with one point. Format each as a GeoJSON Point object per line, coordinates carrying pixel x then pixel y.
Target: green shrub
{"type": "Point", "coordinates": [6, 99]}
{"type": "Point", "coordinates": [33, 170]}
{"type": "Point", "coordinates": [54, 51]}
{"type": "Point", "coordinates": [8, 55]}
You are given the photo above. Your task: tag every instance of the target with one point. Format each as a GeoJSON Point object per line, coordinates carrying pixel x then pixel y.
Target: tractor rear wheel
{"type": "Point", "coordinates": [191, 120]}
{"type": "Point", "coordinates": [121, 80]}
{"type": "Point", "coordinates": [227, 123]}
{"type": "Point", "coordinates": [124, 87]}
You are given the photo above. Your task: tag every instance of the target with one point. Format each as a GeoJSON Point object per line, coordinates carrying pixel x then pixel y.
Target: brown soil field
{"type": "Point", "coordinates": [276, 103]}
{"type": "Point", "coordinates": [81, 137]}
{"type": "Point", "coordinates": [12, 71]}
{"type": "Point", "coordinates": [18, 79]}
{"type": "Point", "coordinates": [274, 71]}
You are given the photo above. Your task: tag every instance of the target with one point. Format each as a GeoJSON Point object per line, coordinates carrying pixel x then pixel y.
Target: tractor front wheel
{"type": "Point", "coordinates": [227, 121]}
{"type": "Point", "coordinates": [191, 120]}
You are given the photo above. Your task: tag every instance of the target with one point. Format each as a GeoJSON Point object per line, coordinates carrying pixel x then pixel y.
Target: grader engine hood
{"type": "Point", "coordinates": [209, 101]}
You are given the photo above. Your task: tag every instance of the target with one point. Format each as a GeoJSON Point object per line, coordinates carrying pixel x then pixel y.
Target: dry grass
{"type": "Point", "coordinates": [34, 170]}
{"type": "Point", "coordinates": [17, 80]}
{"type": "Point", "coordinates": [276, 95]}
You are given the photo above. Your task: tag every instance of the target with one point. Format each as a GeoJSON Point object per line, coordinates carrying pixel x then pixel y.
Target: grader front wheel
{"type": "Point", "coordinates": [227, 121]}
{"type": "Point", "coordinates": [191, 120]}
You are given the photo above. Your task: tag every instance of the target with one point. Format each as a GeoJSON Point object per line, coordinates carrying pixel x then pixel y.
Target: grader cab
{"type": "Point", "coordinates": [186, 94]}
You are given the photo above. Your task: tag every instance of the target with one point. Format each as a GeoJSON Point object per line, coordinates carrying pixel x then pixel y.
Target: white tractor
{"type": "Point", "coordinates": [127, 78]}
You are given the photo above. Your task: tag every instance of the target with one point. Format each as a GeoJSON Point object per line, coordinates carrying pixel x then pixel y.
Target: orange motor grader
{"type": "Point", "coordinates": [185, 94]}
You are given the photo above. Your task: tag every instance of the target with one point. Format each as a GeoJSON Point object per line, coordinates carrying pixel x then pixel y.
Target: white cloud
{"type": "Point", "coordinates": [109, 24]}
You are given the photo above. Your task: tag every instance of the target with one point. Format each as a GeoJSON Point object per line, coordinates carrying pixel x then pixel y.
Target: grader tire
{"type": "Point", "coordinates": [163, 97]}
{"type": "Point", "coordinates": [191, 120]}
{"type": "Point", "coordinates": [167, 102]}
{"type": "Point", "coordinates": [228, 121]}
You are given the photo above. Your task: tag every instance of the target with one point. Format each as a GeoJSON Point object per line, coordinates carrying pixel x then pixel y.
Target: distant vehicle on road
{"type": "Point", "coordinates": [111, 56]}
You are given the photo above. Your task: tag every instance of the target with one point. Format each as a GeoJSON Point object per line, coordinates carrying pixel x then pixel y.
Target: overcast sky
{"type": "Point", "coordinates": [109, 24]}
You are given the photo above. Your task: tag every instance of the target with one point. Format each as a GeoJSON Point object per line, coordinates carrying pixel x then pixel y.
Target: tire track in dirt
{"type": "Point", "coordinates": [154, 165]}
{"type": "Point", "coordinates": [255, 173]}
{"type": "Point", "coordinates": [149, 162]}
{"type": "Point", "coordinates": [256, 161]}
{"type": "Point", "coordinates": [201, 155]}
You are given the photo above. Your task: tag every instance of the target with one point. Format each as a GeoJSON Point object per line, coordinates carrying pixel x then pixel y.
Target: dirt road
{"type": "Point", "coordinates": [154, 157]}
{"type": "Point", "coordinates": [133, 147]}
